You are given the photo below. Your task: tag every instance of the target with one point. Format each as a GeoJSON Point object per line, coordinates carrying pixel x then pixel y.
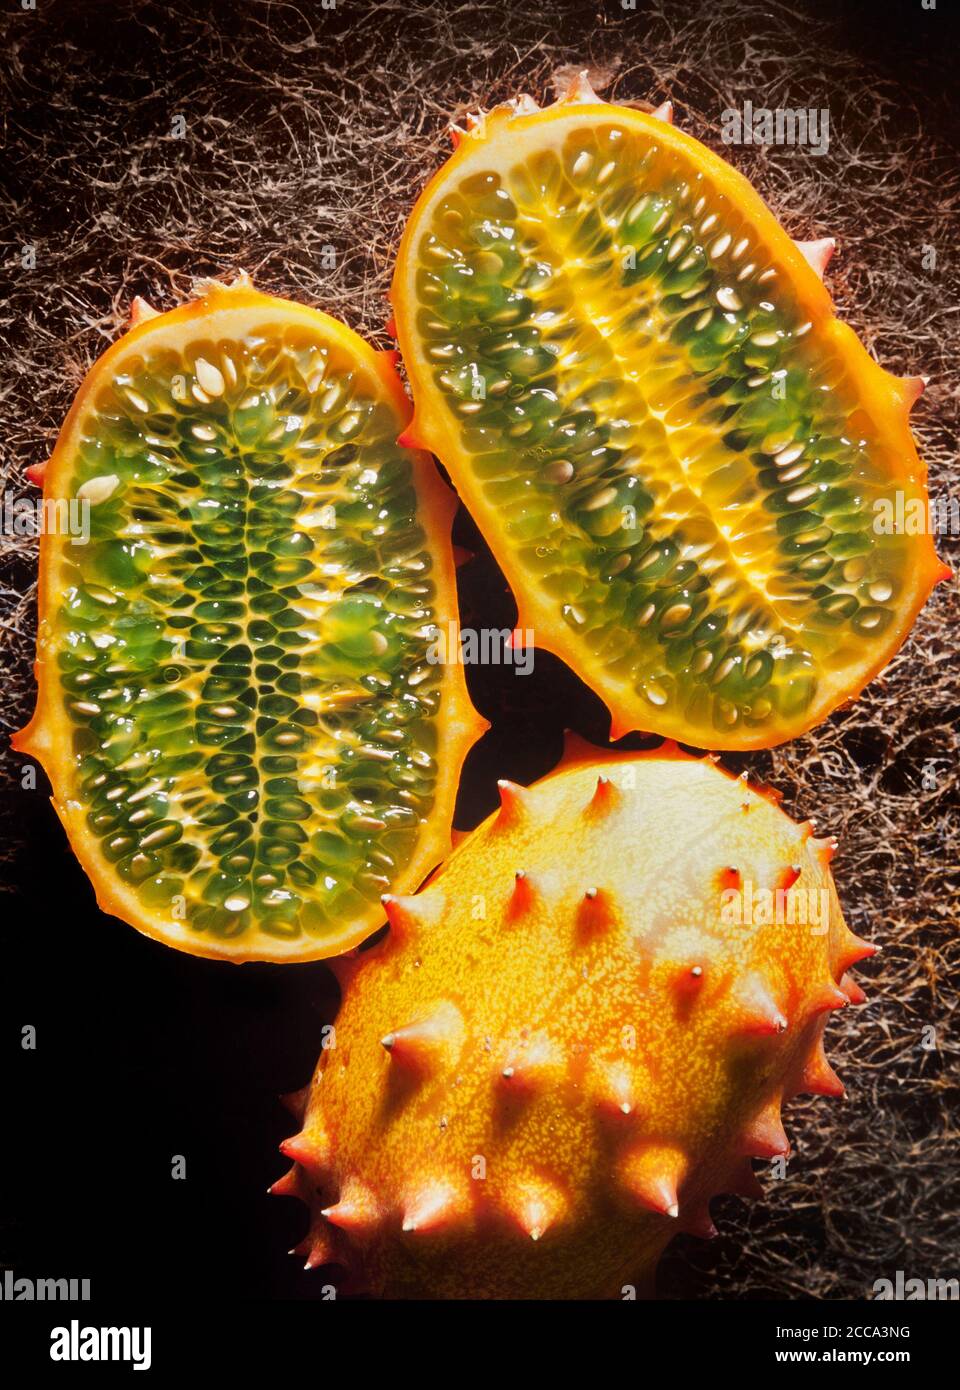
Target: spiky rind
{"type": "Point", "coordinates": [578, 1054]}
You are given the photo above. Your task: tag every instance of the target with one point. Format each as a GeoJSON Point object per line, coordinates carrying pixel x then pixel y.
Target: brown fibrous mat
{"type": "Point", "coordinates": [303, 128]}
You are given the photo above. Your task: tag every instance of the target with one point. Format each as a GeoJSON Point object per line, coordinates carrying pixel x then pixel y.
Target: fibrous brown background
{"type": "Point", "coordinates": [305, 128]}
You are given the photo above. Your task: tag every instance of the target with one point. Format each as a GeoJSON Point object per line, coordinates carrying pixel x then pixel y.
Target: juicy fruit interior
{"type": "Point", "coordinates": [677, 461]}
{"type": "Point", "coordinates": [240, 644]}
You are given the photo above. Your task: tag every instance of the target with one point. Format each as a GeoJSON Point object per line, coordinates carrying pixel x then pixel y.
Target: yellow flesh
{"type": "Point", "coordinates": [670, 444]}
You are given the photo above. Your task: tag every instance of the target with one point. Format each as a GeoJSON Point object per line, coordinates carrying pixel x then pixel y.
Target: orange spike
{"type": "Point", "coordinates": [435, 1207]}
{"type": "Point", "coordinates": [579, 89]}
{"type": "Point", "coordinates": [828, 996]}
{"type": "Point", "coordinates": [357, 1211]}
{"type": "Point", "coordinates": [852, 990]}
{"type": "Point", "coordinates": [756, 1009]}
{"type": "Point", "coordinates": [604, 799]}
{"type": "Point", "coordinates": [410, 439]}
{"type": "Point", "coordinates": [513, 805]}
{"type": "Point", "coordinates": [689, 979]}
{"type": "Point", "coordinates": [310, 1150]}
{"type": "Point", "coordinates": [425, 1044]}
{"type": "Point", "coordinates": [577, 749]}
{"type": "Point", "coordinates": [764, 1137]}
{"type": "Point", "coordinates": [825, 849]}
{"type": "Point", "coordinates": [612, 1088]}
{"type": "Point", "coordinates": [651, 1174]}
{"type": "Point", "coordinates": [535, 1206]}
{"type": "Point", "coordinates": [852, 949]}
{"type": "Point", "coordinates": [913, 388]}
{"type": "Point", "coordinates": [37, 472]}
{"type": "Point", "coordinates": [698, 1222]}
{"type": "Point", "coordinates": [411, 916]}
{"type": "Point", "coordinates": [288, 1185]}
{"type": "Point", "coordinates": [664, 112]}
{"type": "Point", "coordinates": [320, 1251]}
{"type": "Point", "coordinates": [817, 253]}
{"type": "Point", "coordinates": [730, 877]}
{"type": "Point", "coordinates": [818, 1078]}
{"type": "Point", "coordinates": [532, 1067]}
{"type": "Point", "coordinates": [523, 897]}
{"type": "Point", "coordinates": [141, 311]}
{"type": "Point", "coordinates": [596, 911]}
{"type": "Point", "coordinates": [787, 877]}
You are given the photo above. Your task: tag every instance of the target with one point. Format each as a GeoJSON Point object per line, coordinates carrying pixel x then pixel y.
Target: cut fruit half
{"type": "Point", "coordinates": [688, 469]}
{"type": "Point", "coordinates": [246, 738]}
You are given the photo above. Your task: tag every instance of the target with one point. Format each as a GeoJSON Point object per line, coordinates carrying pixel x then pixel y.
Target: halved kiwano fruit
{"type": "Point", "coordinates": [677, 454]}
{"type": "Point", "coordinates": [247, 741]}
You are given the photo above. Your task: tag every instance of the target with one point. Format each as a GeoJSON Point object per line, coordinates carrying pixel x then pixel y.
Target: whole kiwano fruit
{"type": "Point", "coordinates": [577, 1034]}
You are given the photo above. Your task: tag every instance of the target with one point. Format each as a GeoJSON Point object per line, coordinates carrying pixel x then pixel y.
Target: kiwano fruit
{"type": "Point", "coordinates": [555, 1060]}
{"type": "Point", "coordinates": [246, 741]}
{"type": "Point", "coordinates": [679, 456]}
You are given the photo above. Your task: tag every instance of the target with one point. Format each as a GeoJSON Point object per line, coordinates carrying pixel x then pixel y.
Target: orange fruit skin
{"type": "Point", "coordinates": [536, 1080]}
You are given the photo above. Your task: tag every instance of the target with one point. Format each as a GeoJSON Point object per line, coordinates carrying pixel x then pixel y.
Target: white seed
{"type": "Point", "coordinates": [236, 902]}
{"type": "Point", "coordinates": [720, 245]}
{"type": "Point", "coordinates": [209, 377]}
{"type": "Point", "coordinates": [729, 299]}
{"type": "Point", "coordinates": [560, 471]}
{"type": "Point", "coordinates": [582, 163]}
{"type": "Point", "coordinates": [787, 455]}
{"type": "Point", "coordinates": [603, 498]}
{"type": "Point", "coordinates": [135, 399]}
{"type": "Point", "coordinates": [96, 490]}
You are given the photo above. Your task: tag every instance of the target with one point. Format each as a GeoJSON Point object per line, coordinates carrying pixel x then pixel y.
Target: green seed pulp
{"type": "Point", "coordinates": [242, 643]}
{"type": "Point", "coordinates": [669, 452]}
